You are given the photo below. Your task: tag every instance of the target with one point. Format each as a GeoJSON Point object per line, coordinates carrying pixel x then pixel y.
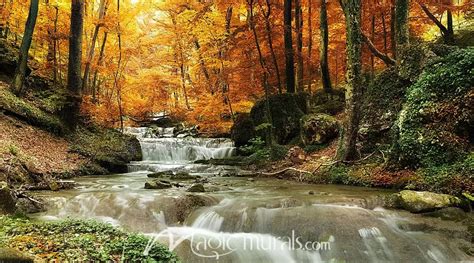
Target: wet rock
{"type": "Point", "coordinates": [30, 206]}
{"type": "Point", "coordinates": [158, 184]}
{"type": "Point", "coordinates": [418, 202]}
{"type": "Point", "coordinates": [8, 255]}
{"type": "Point", "coordinates": [318, 129]}
{"type": "Point", "coordinates": [161, 174]}
{"type": "Point", "coordinates": [7, 199]}
{"type": "Point", "coordinates": [449, 213]}
{"type": "Point", "coordinates": [184, 176]}
{"type": "Point", "coordinates": [196, 188]}
{"type": "Point", "coordinates": [186, 204]}
{"type": "Point", "coordinates": [311, 192]}
{"type": "Point", "coordinates": [251, 180]}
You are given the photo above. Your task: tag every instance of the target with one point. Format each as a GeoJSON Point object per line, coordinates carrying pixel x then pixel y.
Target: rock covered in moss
{"type": "Point", "coordinates": [7, 199]}
{"type": "Point", "coordinates": [196, 188]}
{"type": "Point", "coordinates": [158, 184]}
{"type": "Point", "coordinates": [8, 255]}
{"type": "Point", "coordinates": [318, 128]}
{"type": "Point", "coordinates": [419, 202]}
{"type": "Point", "coordinates": [296, 155]}
{"type": "Point", "coordinates": [436, 124]}
{"type": "Point", "coordinates": [243, 130]}
{"type": "Point", "coordinates": [287, 110]}
{"type": "Point", "coordinates": [328, 103]}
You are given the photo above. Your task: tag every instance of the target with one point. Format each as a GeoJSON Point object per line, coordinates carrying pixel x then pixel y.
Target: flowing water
{"type": "Point", "coordinates": [262, 220]}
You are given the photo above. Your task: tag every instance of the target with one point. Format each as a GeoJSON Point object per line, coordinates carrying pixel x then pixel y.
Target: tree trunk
{"type": "Point", "coordinates": [95, 91]}
{"type": "Point", "coordinates": [289, 53]}
{"type": "Point", "coordinates": [401, 22]}
{"type": "Point", "coordinates": [270, 44]}
{"type": "Point", "coordinates": [393, 43]}
{"type": "Point", "coordinates": [74, 82]}
{"type": "Point", "coordinates": [55, 46]}
{"type": "Point", "coordinates": [268, 113]}
{"type": "Point", "coordinates": [90, 55]}
{"type": "Point", "coordinates": [325, 76]}
{"type": "Point", "coordinates": [352, 11]}
{"type": "Point", "coordinates": [20, 72]}
{"type": "Point", "coordinates": [310, 44]}
{"type": "Point", "coordinates": [299, 45]}
{"type": "Point", "coordinates": [372, 38]}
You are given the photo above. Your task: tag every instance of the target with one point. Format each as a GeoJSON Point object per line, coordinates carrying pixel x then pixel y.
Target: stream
{"type": "Point", "coordinates": [239, 219]}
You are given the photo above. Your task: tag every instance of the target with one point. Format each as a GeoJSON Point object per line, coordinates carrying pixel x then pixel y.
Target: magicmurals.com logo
{"type": "Point", "coordinates": [208, 244]}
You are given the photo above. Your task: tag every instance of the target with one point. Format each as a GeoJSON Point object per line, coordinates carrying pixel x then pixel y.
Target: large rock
{"type": "Point", "coordinates": [7, 199]}
{"type": "Point", "coordinates": [196, 188]}
{"type": "Point", "coordinates": [329, 103]}
{"type": "Point", "coordinates": [419, 202]}
{"type": "Point", "coordinates": [158, 184]}
{"type": "Point", "coordinates": [318, 129]}
{"type": "Point", "coordinates": [287, 110]}
{"type": "Point", "coordinates": [243, 130]}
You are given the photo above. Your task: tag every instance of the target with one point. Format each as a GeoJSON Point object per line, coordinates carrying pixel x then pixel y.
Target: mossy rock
{"type": "Point", "coordinates": [158, 184]}
{"type": "Point", "coordinates": [328, 103]}
{"type": "Point", "coordinates": [7, 199]}
{"type": "Point", "coordinates": [196, 188]}
{"type": "Point", "coordinates": [436, 124]}
{"type": "Point", "coordinates": [287, 110]}
{"type": "Point", "coordinates": [8, 255]}
{"type": "Point", "coordinates": [318, 129]}
{"type": "Point", "coordinates": [418, 202]}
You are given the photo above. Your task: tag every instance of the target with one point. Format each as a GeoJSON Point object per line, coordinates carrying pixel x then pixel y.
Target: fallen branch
{"type": "Point", "coordinates": [285, 170]}
{"type": "Point", "coordinates": [19, 194]}
{"type": "Point", "coordinates": [385, 58]}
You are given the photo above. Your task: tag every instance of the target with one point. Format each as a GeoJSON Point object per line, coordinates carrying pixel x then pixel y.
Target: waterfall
{"type": "Point", "coordinates": [161, 150]}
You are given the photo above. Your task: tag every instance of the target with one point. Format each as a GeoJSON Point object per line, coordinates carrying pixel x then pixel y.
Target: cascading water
{"type": "Point", "coordinates": [265, 220]}
{"type": "Point", "coordinates": [162, 151]}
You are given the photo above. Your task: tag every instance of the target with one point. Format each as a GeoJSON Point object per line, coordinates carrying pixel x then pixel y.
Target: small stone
{"type": "Point", "coordinates": [311, 192]}
{"type": "Point", "coordinates": [196, 188]}
{"type": "Point", "coordinates": [158, 184]}
{"type": "Point", "coordinates": [251, 180]}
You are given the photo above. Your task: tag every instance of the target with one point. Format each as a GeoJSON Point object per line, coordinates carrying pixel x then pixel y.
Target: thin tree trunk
{"type": "Point", "coordinates": [372, 38]}
{"type": "Point", "coordinates": [401, 22]}
{"type": "Point", "coordinates": [310, 44]}
{"type": "Point", "coordinates": [268, 114]}
{"type": "Point", "coordinates": [289, 53]}
{"type": "Point", "coordinates": [384, 27]}
{"type": "Point", "coordinates": [90, 55]}
{"type": "Point", "coordinates": [74, 84]}
{"type": "Point", "coordinates": [202, 65]}
{"type": "Point", "coordinates": [55, 47]}
{"type": "Point", "coordinates": [270, 44]}
{"type": "Point", "coordinates": [299, 45]}
{"type": "Point", "coordinates": [20, 72]}
{"type": "Point", "coordinates": [117, 74]}
{"type": "Point", "coordinates": [447, 32]}
{"type": "Point", "coordinates": [352, 11]}
{"type": "Point", "coordinates": [325, 75]}
{"type": "Point", "coordinates": [393, 43]}
{"type": "Point", "coordinates": [95, 93]}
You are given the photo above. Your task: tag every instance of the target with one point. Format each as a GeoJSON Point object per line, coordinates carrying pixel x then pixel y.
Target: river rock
{"type": "Point", "coordinates": [161, 174]}
{"type": "Point", "coordinates": [7, 199]}
{"type": "Point", "coordinates": [29, 206]}
{"type": "Point", "coordinates": [196, 188]}
{"type": "Point", "coordinates": [318, 128]}
{"type": "Point", "coordinates": [296, 155]}
{"type": "Point", "coordinates": [158, 184]}
{"type": "Point", "coordinates": [184, 176]}
{"type": "Point", "coordinates": [419, 202]}
{"type": "Point", "coordinates": [8, 255]}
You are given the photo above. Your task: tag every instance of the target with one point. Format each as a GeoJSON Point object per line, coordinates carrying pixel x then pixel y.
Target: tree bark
{"type": "Point", "coordinates": [95, 90]}
{"type": "Point", "coordinates": [393, 43]}
{"type": "Point", "coordinates": [352, 11]}
{"type": "Point", "coordinates": [447, 32]}
{"type": "Point", "coordinates": [20, 72]}
{"type": "Point", "coordinates": [401, 22]}
{"type": "Point", "coordinates": [310, 44]}
{"type": "Point", "coordinates": [289, 52]}
{"type": "Point", "coordinates": [74, 84]}
{"type": "Point", "coordinates": [325, 75]}
{"type": "Point", "coordinates": [299, 45]}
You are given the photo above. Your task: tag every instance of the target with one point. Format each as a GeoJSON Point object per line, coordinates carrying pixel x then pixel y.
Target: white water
{"type": "Point", "coordinates": [249, 221]}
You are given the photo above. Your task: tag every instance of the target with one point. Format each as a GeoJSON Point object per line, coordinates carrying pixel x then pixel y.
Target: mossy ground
{"type": "Point", "coordinates": [78, 241]}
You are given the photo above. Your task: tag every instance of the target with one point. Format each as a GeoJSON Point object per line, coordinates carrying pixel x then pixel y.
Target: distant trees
{"type": "Point", "coordinates": [323, 53]}
{"type": "Point", "coordinates": [20, 72]}
{"type": "Point", "coordinates": [74, 83]}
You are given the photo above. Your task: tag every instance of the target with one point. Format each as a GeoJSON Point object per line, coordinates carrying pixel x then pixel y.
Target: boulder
{"type": "Point", "coordinates": [287, 110]}
{"type": "Point", "coordinates": [243, 130]}
{"type": "Point", "coordinates": [196, 188]}
{"type": "Point", "coordinates": [30, 206]}
{"type": "Point", "coordinates": [318, 129]}
{"type": "Point", "coordinates": [7, 199]}
{"type": "Point", "coordinates": [419, 202]}
{"type": "Point", "coordinates": [328, 103]}
{"type": "Point", "coordinates": [8, 255]}
{"type": "Point", "coordinates": [162, 174]}
{"type": "Point", "coordinates": [296, 155]}
{"type": "Point", "coordinates": [158, 184]}
{"type": "Point", "coordinates": [182, 175]}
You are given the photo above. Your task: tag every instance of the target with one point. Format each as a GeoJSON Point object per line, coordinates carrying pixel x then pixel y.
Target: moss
{"type": "Point", "coordinates": [436, 122]}
{"type": "Point", "coordinates": [328, 103]}
{"type": "Point", "coordinates": [87, 240]}
{"type": "Point", "coordinates": [107, 147]}
{"type": "Point", "coordinates": [318, 128]}
{"type": "Point", "coordinates": [28, 112]}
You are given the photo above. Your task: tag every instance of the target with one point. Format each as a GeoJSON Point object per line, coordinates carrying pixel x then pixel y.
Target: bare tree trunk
{"type": "Point", "coordinates": [74, 83]}
{"type": "Point", "coordinates": [299, 45]}
{"type": "Point", "coordinates": [384, 27]}
{"type": "Point", "coordinates": [20, 72]}
{"type": "Point", "coordinates": [393, 42]}
{"type": "Point", "coordinates": [325, 75]}
{"type": "Point", "coordinates": [289, 53]}
{"type": "Point", "coordinates": [55, 46]}
{"type": "Point", "coordinates": [401, 22]}
{"type": "Point", "coordinates": [95, 92]}
{"type": "Point", "coordinates": [117, 74]}
{"type": "Point", "coordinates": [352, 11]}
{"type": "Point", "coordinates": [372, 38]}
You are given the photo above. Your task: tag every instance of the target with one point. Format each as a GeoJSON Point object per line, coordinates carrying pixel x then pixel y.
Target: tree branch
{"type": "Point", "coordinates": [433, 18]}
{"type": "Point", "coordinates": [385, 58]}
